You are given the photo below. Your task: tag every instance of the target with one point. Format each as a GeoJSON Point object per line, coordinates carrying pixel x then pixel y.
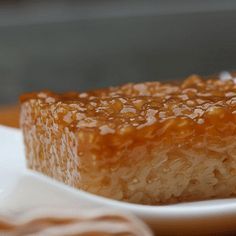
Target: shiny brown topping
{"type": "Point", "coordinates": [135, 106]}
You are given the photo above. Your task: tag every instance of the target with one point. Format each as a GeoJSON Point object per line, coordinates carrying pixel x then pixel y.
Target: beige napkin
{"type": "Point", "coordinates": [82, 222]}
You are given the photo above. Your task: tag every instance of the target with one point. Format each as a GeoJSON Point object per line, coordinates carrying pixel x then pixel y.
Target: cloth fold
{"type": "Point", "coordinates": [71, 222]}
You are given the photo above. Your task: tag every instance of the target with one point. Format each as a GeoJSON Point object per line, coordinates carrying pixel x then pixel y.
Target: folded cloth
{"type": "Point", "coordinates": [58, 222]}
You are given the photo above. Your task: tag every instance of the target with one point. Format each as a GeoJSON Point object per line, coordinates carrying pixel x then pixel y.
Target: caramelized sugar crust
{"type": "Point", "coordinates": [145, 143]}
{"type": "Point", "coordinates": [136, 106]}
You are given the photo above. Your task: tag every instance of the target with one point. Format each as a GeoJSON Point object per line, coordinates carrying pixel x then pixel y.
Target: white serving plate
{"type": "Point", "coordinates": [21, 188]}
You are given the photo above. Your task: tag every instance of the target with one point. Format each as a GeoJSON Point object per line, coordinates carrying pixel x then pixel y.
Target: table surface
{"type": "Point", "coordinates": [9, 115]}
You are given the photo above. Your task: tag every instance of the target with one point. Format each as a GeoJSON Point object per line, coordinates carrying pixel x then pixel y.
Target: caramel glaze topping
{"type": "Point", "coordinates": [194, 103]}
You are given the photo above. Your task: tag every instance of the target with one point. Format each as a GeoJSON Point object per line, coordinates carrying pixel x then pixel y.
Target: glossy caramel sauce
{"type": "Point", "coordinates": [136, 106]}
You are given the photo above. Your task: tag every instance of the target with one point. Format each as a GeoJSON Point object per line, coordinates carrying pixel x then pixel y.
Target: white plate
{"type": "Point", "coordinates": [21, 188]}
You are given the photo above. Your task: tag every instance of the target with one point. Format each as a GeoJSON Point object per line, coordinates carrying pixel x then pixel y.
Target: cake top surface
{"type": "Point", "coordinates": [135, 106]}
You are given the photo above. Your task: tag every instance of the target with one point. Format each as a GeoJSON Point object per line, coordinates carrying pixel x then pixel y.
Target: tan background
{"type": "Point", "coordinates": [9, 115]}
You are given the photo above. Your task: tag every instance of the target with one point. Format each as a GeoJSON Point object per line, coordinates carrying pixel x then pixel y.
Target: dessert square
{"type": "Point", "coordinates": [147, 143]}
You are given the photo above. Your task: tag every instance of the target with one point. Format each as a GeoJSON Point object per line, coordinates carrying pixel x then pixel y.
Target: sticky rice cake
{"type": "Point", "coordinates": [147, 143]}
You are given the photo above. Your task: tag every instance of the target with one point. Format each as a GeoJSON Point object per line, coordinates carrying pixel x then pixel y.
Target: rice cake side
{"type": "Point", "coordinates": [148, 143]}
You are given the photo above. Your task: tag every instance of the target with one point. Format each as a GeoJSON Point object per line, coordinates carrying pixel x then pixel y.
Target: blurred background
{"type": "Point", "coordinates": [86, 44]}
